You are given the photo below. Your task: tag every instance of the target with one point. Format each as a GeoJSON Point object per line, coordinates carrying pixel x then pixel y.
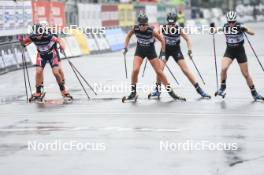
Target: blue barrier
{"type": "Point", "coordinates": [115, 38]}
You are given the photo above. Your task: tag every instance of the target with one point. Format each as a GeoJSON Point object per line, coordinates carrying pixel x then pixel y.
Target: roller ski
{"type": "Point", "coordinates": [67, 98]}
{"type": "Point", "coordinates": [173, 95]}
{"type": "Point", "coordinates": [221, 93]}
{"type": "Point", "coordinates": [156, 93]}
{"type": "Point", "coordinates": [133, 95]}
{"type": "Point", "coordinates": [37, 97]}
{"type": "Point", "coordinates": [202, 93]}
{"type": "Point", "coordinates": [131, 98]}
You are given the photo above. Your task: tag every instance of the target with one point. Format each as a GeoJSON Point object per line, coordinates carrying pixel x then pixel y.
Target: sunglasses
{"type": "Point", "coordinates": [231, 22]}
{"type": "Point", "coordinates": [143, 25]}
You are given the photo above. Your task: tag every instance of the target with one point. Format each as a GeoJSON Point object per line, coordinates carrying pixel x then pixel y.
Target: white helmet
{"type": "Point", "coordinates": [231, 16]}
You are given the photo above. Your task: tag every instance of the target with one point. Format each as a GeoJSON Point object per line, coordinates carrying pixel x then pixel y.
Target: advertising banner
{"type": "Point", "coordinates": [115, 38]}
{"type": "Point", "coordinates": [2, 63]}
{"type": "Point", "coordinates": [52, 12]}
{"type": "Point", "coordinates": [109, 15]}
{"type": "Point", "coordinates": [91, 43]}
{"type": "Point", "coordinates": [73, 46]}
{"type": "Point", "coordinates": [80, 38]}
{"type": "Point", "coordinates": [15, 17]}
{"type": "Point", "coordinates": [177, 2]}
{"type": "Point", "coordinates": [7, 53]}
{"type": "Point", "coordinates": [89, 15]}
{"type": "Point", "coordinates": [126, 15]}
{"type": "Point", "coordinates": [161, 17]}
{"type": "Point", "coordinates": [138, 8]}
{"type": "Point", "coordinates": [102, 42]}
{"type": "Point", "coordinates": [152, 13]}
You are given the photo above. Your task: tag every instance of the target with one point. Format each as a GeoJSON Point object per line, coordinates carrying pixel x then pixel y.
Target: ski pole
{"type": "Point", "coordinates": [26, 67]}
{"type": "Point", "coordinates": [171, 73]}
{"type": "Point", "coordinates": [83, 78]}
{"type": "Point", "coordinates": [254, 52]}
{"type": "Point", "coordinates": [25, 79]}
{"type": "Point", "coordinates": [216, 70]}
{"type": "Point", "coordinates": [197, 69]}
{"type": "Point", "coordinates": [165, 63]}
{"type": "Point", "coordinates": [144, 68]}
{"type": "Point", "coordinates": [125, 64]}
{"type": "Point", "coordinates": [74, 71]}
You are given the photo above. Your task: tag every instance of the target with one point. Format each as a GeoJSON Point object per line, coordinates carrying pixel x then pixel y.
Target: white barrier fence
{"type": "Point", "coordinates": [11, 57]}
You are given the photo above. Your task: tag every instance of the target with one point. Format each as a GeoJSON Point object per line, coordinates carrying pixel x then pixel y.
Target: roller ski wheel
{"type": "Point", "coordinates": [38, 98]}
{"type": "Point", "coordinates": [67, 98]}
{"type": "Point", "coordinates": [220, 93]}
{"type": "Point", "coordinates": [129, 99]}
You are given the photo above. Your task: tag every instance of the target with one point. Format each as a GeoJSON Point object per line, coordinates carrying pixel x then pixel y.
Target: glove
{"type": "Point", "coordinates": [62, 50]}
{"type": "Point", "coordinates": [162, 55]}
{"type": "Point", "coordinates": [125, 50]}
{"type": "Point", "coordinates": [212, 28]}
{"type": "Point", "coordinates": [190, 53]}
{"type": "Point", "coordinates": [20, 38]}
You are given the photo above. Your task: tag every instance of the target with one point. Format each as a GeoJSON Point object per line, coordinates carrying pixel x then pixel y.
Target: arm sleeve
{"type": "Point", "coordinates": [27, 40]}
{"type": "Point", "coordinates": [243, 28]}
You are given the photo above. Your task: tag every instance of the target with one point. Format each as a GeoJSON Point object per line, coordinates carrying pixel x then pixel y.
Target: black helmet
{"type": "Point", "coordinates": [171, 17]}
{"type": "Point", "coordinates": [142, 18]}
{"type": "Point", "coordinates": [38, 29]}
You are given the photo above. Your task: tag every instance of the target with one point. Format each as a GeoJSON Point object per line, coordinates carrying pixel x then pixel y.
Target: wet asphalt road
{"type": "Point", "coordinates": [126, 138]}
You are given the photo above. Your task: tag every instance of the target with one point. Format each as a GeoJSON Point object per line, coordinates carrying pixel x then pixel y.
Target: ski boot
{"type": "Point", "coordinates": [257, 96]}
{"type": "Point", "coordinates": [133, 95]}
{"type": "Point", "coordinates": [156, 92]}
{"type": "Point", "coordinates": [221, 92]}
{"type": "Point", "coordinates": [37, 97]}
{"type": "Point", "coordinates": [173, 95]}
{"type": "Point", "coordinates": [202, 93]}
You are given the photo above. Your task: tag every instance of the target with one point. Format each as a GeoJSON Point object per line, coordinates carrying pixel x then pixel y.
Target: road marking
{"type": "Point", "coordinates": [91, 129]}
{"type": "Point", "coordinates": [162, 115]}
